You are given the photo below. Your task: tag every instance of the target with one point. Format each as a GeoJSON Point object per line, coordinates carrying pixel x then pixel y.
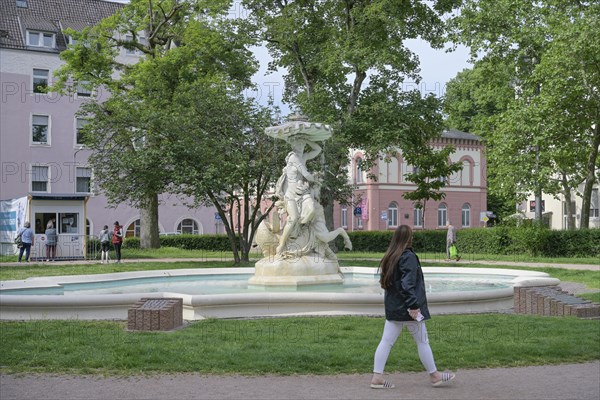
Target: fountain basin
{"type": "Point", "coordinates": [254, 304]}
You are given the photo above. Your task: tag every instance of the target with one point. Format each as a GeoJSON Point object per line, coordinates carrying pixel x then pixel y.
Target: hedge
{"type": "Point", "coordinates": [527, 240]}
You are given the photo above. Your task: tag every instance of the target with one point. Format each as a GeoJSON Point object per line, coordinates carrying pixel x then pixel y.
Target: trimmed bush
{"type": "Point", "coordinates": [378, 241]}
{"type": "Point", "coordinates": [531, 241]}
{"type": "Point", "coordinates": [504, 240]}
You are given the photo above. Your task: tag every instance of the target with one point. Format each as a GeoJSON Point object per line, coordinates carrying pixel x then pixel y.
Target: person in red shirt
{"type": "Point", "coordinates": [117, 240]}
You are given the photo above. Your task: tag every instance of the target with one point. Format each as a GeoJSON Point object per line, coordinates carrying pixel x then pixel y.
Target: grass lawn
{"type": "Point", "coordinates": [317, 345]}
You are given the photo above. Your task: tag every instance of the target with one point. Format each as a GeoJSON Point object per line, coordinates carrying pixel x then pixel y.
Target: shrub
{"type": "Point", "coordinates": [506, 240]}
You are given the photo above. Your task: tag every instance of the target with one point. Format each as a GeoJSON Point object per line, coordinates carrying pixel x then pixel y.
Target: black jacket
{"type": "Point", "coordinates": [407, 291]}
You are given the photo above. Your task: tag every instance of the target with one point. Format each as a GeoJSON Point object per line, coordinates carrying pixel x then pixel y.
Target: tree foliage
{"type": "Point", "coordinates": [546, 136]}
{"type": "Point", "coordinates": [346, 62]}
{"type": "Point", "coordinates": [186, 48]}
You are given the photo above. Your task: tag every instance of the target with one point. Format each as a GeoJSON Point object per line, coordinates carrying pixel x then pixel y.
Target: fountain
{"type": "Point", "coordinates": [298, 254]}
{"type": "Point", "coordinates": [63, 297]}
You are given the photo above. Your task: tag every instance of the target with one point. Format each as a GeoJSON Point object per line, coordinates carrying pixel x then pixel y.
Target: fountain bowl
{"type": "Point", "coordinates": [244, 305]}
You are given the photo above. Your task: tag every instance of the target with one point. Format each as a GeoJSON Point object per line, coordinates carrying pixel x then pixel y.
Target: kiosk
{"type": "Point", "coordinates": [68, 215]}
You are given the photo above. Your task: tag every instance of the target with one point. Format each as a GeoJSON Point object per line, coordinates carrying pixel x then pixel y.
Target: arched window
{"type": "Point", "coordinates": [466, 174]}
{"type": "Point", "coordinates": [88, 227]}
{"type": "Point", "coordinates": [442, 215]}
{"type": "Point", "coordinates": [466, 215]}
{"type": "Point", "coordinates": [393, 214]}
{"type": "Point", "coordinates": [344, 217]}
{"type": "Point", "coordinates": [418, 214]}
{"type": "Point", "coordinates": [133, 229]}
{"type": "Point", "coordinates": [359, 171]}
{"type": "Point", "coordinates": [188, 226]}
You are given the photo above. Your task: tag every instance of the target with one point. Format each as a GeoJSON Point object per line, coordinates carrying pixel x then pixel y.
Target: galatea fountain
{"type": "Point", "coordinates": [298, 252]}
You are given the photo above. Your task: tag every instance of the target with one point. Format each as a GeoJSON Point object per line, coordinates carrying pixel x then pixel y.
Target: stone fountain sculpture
{"type": "Point", "coordinates": [298, 254]}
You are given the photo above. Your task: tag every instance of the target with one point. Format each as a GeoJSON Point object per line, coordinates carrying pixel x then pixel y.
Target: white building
{"type": "Point", "coordinates": [554, 209]}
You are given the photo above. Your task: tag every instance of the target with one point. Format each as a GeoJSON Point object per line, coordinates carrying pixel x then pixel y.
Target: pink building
{"type": "Point", "coordinates": [379, 204]}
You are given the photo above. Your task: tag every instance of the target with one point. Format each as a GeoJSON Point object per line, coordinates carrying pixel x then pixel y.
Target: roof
{"type": "Point", "coordinates": [454, 134]}
{"type": "Point", "coordinates": [49, 16]}
{"type": "Point", "coordinates": [57, 196]}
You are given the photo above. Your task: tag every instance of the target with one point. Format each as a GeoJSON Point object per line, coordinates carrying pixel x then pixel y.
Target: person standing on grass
{"type": "Point", "coordinates": [27, 238]}
{"type": "Point", "coordinates": [105, 237]}
{"type": "Point", "coordinates": [405, 306]}
{"type": "Point", "coordinates": [117, 240]}
{"type": "Point", "coordinates": [51, 240]}
{"type": "Point", "coordinates": [451, 240]}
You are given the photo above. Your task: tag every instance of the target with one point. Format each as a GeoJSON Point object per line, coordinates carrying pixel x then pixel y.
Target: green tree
{"type": "Point", "coordinates": [472, 99]}
{"type": "Point", "coordinates": [346, 62]}
{"type": "Point", "coordinates": [177, 41]}
{"type": "Point", "coordinates": [224, 158]}
{"type": "Point", "coordinates": [546, 137]}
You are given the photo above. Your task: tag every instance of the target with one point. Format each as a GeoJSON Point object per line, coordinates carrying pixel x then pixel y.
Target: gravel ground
{"type": "Point", "coordinates": [570, 381]}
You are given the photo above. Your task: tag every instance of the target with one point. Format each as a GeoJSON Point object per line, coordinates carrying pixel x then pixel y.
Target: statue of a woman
{"type": "Point", "coordinates": [294, 173]}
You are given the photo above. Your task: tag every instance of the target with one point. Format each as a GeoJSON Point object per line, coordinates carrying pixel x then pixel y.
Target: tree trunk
{"type": "Point", "coordinates": [590, 179]}
{"type": "Point", "coordinates": [149, 238]}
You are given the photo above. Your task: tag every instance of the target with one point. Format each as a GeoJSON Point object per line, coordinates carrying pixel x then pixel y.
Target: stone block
{"type": "Point", "coordinates": [159, 314]}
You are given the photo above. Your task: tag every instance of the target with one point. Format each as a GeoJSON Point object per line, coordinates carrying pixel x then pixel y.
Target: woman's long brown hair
{"type": "Point", "coordinates": [400, 241]}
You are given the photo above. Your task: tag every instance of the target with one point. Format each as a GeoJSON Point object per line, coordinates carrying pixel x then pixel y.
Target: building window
{"type": "Point", "coordinates": [594, 204]}
{"type": "Point", "coordinates": [83, 180]}
{"type": "Point", "coordinates": [418, 215]}
{"type": "Point", "coordinates": [466, 215]}
{"type": "Point", "coordinates": [393, 214]}
{"type": "Point", "coordinates": [79, 124]}
{"type": "Point", "coordinates": [359, 171]}
{"type": "Point", "coordinates": [41, 39]}
{"type": "Point", "coordinates": [133, 229]}
{"type": "Point", "coordinates": [133, 51]}
{"type": "Point", "coordinates": [344, 217]}
{"type": "Point", "coordinates": [40, 129]}
{"type": "Point", "coordinates": [188, 226]}
{"type": "Point", "coordinates": [68, 223]}
{"type": "Point", "coordinates": [82, 89]}
{"type": "Point", "coordinates": [465, 173]}
{"type": "Point", "coordinates": [40, 80]}
{"type": "Point", "coordinates": [442, 215]}
{"type": "Point", "coordinates": [39, 179]}
{"type": "Point", "coordinates": [359, 222]}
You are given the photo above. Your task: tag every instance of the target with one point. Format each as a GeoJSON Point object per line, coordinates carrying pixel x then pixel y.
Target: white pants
{"type": "Point", "coordinates": [391, 331]}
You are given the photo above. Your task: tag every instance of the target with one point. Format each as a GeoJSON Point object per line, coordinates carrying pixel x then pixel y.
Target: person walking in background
{"type": "Point", "coordinates": [27, 238]}
{"type": "Point", "coordinates": [405, 306]}
{"type": "Point", "coordinates": [451, 241]}
{"type": "Point", "coordinates": [117, 240]}
{"type": "Point", "coordinates": [51, 241]}
{"type": "Point", "coordinates": [105, 237]}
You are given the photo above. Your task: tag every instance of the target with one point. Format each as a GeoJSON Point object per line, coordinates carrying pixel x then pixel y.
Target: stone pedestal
{"type": "Point", "coordinates": [161, 314]}
{"type": "Point", "coordinates": [305, 270]}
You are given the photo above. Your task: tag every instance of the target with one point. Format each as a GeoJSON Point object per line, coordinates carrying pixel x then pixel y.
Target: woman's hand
{"type": "Point", "coordinates": [413, 313]}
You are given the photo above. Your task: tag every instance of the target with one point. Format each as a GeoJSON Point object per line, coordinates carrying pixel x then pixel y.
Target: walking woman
{"type": "Point", "coordinates": [405, 306]}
